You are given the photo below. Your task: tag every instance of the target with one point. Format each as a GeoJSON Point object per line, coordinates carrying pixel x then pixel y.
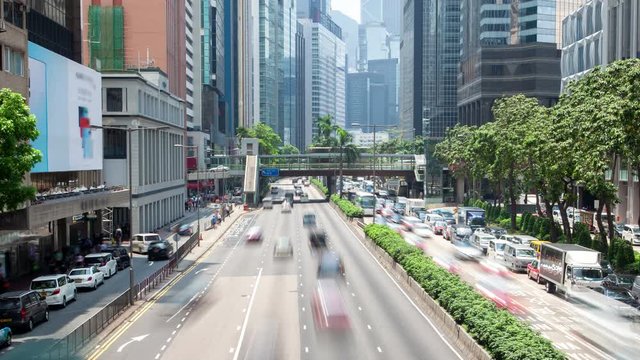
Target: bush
{"type": "Point", "coordinates": [504, 214]}
{"type": "Point", "coordinates": [320, 186]}
{"type": "Point", "coordinates": [581, 235]}
{"type": "Point", "coordinates": [525, 220]}
{"type": "Point", "coordinates": [623, 255]}
{"type": "Point", "coordinates": [498, 331]}
{"type": "Point", "coordinates": [505, 223]}
{"type": "Point", "coordinates": [347, 207]}
{"type": "Point", "coordinates": [518, 221]}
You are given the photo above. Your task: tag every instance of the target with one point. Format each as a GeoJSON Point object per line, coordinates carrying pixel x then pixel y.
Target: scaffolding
{"type": "Point", "coordinates": [106, 37]}
{"type": "Point", "coordinates": [107, 222]}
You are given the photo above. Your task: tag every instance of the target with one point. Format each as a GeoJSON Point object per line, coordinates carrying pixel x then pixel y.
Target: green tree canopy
{"type": "Point", "coordinates": [17, 156]}
{"type": "Point", "coordinates": [268, 139]}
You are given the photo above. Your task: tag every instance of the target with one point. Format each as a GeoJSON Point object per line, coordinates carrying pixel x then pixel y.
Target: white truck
{"type": "Point", "coordinates": [566, 266]}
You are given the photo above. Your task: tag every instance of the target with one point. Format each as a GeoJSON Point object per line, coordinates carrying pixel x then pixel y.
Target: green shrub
{"type": "Point", "coordinates": [518, 221]}
{"type": "Point", "coordinates": [498, 331]}
{"type": "Point", "coordinates": [525, 220]}
{"type": "Point", "coordinates": [623, 255]}
{"type": "Point", "coordinates": [320, 186]}
{"type": "Point", "coordinates": [504, 214]}
{"type": "Point", "coordinates": [505, 223]}
{"type": "Point", "coordinates": [347, 207]}
{"type": "Point", "coordinates": [581, 235]}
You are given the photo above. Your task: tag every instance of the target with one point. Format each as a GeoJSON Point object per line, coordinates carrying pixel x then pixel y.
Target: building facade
{"type": "Point", "coordinates": [508, 49]}
{"type": "Point", "coordinates": [300, 138]}
{"type": "Point", "coordinates": [389, 69]}
{"type": "Point", "coordinates": [429, 57]}
{"type": "Point", "coordinates": [349, 35]}
{"type": "Point", "coordinates": [597, 34]}
{"type": "Point", "coordinates": [367, 94]}
{"type": "Point", "coordinates": [13, 46]}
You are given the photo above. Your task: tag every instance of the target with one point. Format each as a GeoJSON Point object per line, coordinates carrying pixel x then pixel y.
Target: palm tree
{"type": "Point", "coordinates": [346, 147]}
{"type": "Point", "coordinates": [325, 131]}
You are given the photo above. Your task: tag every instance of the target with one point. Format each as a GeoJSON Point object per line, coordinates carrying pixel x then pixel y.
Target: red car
{"type": "Point", "coordinates": [328, 307]}
{"type": "Point", "coordinates": [533, 271]}
{"type": "Point", "coordinates": [439, 227]}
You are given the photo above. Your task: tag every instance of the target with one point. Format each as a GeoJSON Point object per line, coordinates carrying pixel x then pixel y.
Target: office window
{"type": "Point", "coordinates": [114, 99]}
{"type": "Point", "coordinates": [115, 144]}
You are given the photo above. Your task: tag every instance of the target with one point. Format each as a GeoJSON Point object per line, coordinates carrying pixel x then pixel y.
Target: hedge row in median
{"type": "Point", "coordinates": [320, 186]}
{"type": "Point", "coordinates": [498, 331]}
{"type": "Point", "coordinates": [347, 207]}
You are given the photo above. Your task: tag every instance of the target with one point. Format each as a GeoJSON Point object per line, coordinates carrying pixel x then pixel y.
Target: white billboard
{"type": "Point", "coordinates": [66, 98]}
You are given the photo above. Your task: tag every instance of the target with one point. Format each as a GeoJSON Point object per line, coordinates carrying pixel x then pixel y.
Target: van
{"type": "Point", "coordinates": [432, 218]}
{"type": "Point", "coordinates": [22, 309]}
{"type": "Point", "coordinates": [523, 239]}
{"type": "Point", "coordinates": [496, 249]}
{"type": "Point", "coordinates": [518, 256]}
{"type": "Point", "coordinates": [140, 242]}
{"type": "Point", "coordinates": [267, 203]}
{"type": "Point", "coordinates": [105, 262]}
{"type": "Point", "coordinates": [537, 245]}
{"type": "Point", "coordinates": [55, 289]}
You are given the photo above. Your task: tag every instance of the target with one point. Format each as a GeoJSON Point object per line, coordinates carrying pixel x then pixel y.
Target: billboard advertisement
{"type": "Point", "coordinates": [66, 98]}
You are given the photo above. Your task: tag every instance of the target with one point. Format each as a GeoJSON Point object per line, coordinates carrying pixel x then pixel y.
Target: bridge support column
{"type": "Point", "coordinates": [460, 189]}
{"type": "Point", "coordinates": [331, 184]}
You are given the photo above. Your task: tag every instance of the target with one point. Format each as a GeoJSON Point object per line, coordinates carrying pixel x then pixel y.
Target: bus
{"type": "Point", "coordinates": [367, 201]}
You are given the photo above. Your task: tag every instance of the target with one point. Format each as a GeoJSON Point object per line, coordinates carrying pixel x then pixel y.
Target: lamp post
{"type": "Point", "coordinates": [130, 130]}
{"type": "Point", "coordinates": [197, 179]}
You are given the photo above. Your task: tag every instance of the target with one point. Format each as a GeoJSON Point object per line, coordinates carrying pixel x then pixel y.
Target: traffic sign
{"type": "Point", "coordinates": [270, 172]}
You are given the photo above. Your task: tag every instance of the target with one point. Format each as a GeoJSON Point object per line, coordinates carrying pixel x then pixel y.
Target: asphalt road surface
{"type": "Point", "coordinates": [239, 302]}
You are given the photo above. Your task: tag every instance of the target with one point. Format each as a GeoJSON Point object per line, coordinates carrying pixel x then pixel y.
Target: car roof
{"type": "Point", "coordinates": [97, 254]}
{"type": "Point", "coordinates": [526, 237]}
{"type": "Point", "coordinates": [15, 293]}
{"type": "Point", "coordinates": [48, 277]}
{"type": "Point", "coordinates": [520, 246]}
{"type": "Point", "coordinates": [83, 268]}
{"type": "Point", "coordinates": [145, 234]}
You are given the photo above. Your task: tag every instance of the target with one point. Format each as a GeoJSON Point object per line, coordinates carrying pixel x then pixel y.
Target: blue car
{"type": "Point", "coordinates": [5, 336]}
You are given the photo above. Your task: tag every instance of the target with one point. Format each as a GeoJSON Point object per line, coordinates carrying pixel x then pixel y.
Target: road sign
{"type": "Point", "coordinates": [270, 172]}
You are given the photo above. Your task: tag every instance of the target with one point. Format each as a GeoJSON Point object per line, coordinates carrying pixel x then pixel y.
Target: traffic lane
{"type": "Point", "coordinates": [549, 314]}
{"type": "Point", "coordinates": [394, 325]}
{"type": "Point", "coordinates": [162, 317]}
{"type": "Point", "coordinates": [249, 303]}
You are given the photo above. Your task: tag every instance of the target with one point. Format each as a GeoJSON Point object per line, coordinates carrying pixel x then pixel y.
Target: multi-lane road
{"type": "Point", "coordinates": [63, 321]}
{"type": "Point", "coordinates": [239, 302]}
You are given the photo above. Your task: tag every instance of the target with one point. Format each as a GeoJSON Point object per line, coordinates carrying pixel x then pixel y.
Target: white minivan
{"type": "Point", "coordinates": [518, 256]}
{"type": "Point", "coordinates": [105, 262]}
{"type": "Point", "coordinates": [141, 242]}
{"type": "Point", "coordinates": [56, 289]}
{"type": "Point", "coordinates": [495, 250]}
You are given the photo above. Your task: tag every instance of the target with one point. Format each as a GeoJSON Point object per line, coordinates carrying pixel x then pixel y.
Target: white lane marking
{"type": "Point", "coordinates": [169, 340]}
{"type": "Point", "coordinates": [187, 313]}
{"type": "Point", "coordinates": [183, 319]}
{"type": "Point", "coordinates": [359, 308]}
{"type": "Point", "coordinates": [306, 349]}
{"type": "Point", "coordinates": [150, 263]}
{"type": "Point", "coordinates": [182, 308]}
{"type": "Point", "coordinates": [201, 270]}
{"type": "Point", "coordinates": [303, 308]}
{"type": "Point", "coordinates": [400, 288]}
{"type": "Point", "coordinates": [178, 327]}
{"type": "Point", "coordinates": [157, 356]}
{"type": "Point", "coordinates": [379, 350]}
{"type": "Point", "coordinates": [368, 326]}
{"type": "Point", "coordinates": [304, 327]}
{"type": "Point", "coordinates": [246, 318]}
{"type": "Point", "coordinates": [133, 339]}
{"type": "Point", "coordinates": [231, 350]}
{"type": "Point", "coordinates": [174, 332]}
{"type": "Point", "coordinates": [163, 347]}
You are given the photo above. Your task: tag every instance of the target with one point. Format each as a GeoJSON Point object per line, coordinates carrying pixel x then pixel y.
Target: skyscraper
{"type": "Point", "coordinates": [388, 68]}
{"type": "Point", "coordinates": [509, 48]}
{"type": "Point", "coordinates": [429, 66]}
{"type": "Point", "coordinates": [350, 36]}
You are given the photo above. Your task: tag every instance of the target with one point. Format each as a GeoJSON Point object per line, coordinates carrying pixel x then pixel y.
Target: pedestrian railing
{"type": "Point", "coordinates": [69, 346]}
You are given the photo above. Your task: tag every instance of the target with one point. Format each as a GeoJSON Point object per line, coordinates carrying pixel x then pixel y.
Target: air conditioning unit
{"type": "Point", "coordinates": [3, 27]}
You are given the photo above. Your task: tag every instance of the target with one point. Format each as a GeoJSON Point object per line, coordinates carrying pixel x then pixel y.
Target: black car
{"type": "Point", "coordinates": [22, 309]}
{"type": "Point", "coordinates": [615, 281]}
{"type": "Point", "coordinates": [160, 250]}
{"type": "Point", "coordinates": [121, 254]}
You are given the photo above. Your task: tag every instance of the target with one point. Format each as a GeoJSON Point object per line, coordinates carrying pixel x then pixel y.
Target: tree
{"type": "Point", "coordinates": [288, 149]}
{"type": "Point", "coordinates": [267, 138]}
{"type": "Point", "coordinates": [17, 156]}
{"type": "Point", "coordinates": [326, 129]}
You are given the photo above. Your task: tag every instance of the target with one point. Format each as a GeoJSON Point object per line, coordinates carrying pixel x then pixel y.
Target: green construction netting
{"type": "Point", "coordinates": [106, 37]}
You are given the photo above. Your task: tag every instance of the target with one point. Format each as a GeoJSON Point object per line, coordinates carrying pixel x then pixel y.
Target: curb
{"type": "Point", "coordinates": [456, 333]}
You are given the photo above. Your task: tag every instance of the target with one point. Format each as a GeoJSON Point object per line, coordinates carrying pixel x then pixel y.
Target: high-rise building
{"type": "Point", "coordinates": [392, 16]}
{"type": "Point", "coordinates": [14, 73]}
{"type": "Point", "coordinates": [247, 63]}
{"type": "Point", "coordinates": [231, 68]}
{"type": "Point", "coordinates": [509, 48]}
{"type": "Point", "coordinates": [365, 106]}
{"type": "Point", "coordinates": [596, 34]}
{"type": "Point", "coordinates": [276, 76]}
{"type": "Point", "coordinates": [372, 11]}
{"type": "Point", "coordinates": [350, 36]}
{"type": "Point", "coordinates": [389, 70]}
{"type": "Point", "coordinates": [300, 137]}
{"type": "Point", "coordinates": [429, 66]}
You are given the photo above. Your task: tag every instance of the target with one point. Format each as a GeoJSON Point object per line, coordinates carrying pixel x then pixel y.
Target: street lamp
{"type": "Point", "coordinates": [197, 179]}
{"type": "Point", "coordinates": [130, 130]}
{"type": "Point", "coordinates": [374, 126]}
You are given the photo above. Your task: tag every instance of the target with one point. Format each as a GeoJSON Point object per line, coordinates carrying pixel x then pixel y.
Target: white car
{"type": "Point", "coordinates": [286, 208]}
{"type": "Point", "coordinates": [141, 242]}
{"type": "Point", "coordinates": [87, 277]}
{"type": "Point", "coordinates": [631, 233]}
{"type": "Point", "coordinates": [105, 262]}
{"type": "Point", "coordinates": [283, 247]}
{"type": "Point", "coordinates": [57, 289]}
{"type": "Point", "coordinates": [423, 230]}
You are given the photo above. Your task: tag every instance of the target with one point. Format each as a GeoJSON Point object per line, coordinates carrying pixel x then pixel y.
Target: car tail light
{"type": "Point", "coordinates": [56, 292]}
{"type": "Point", "coordinates": [23, 313]}
{"type": "Point", "coordinates": [90, 278]}
{"type": "Point", "coordinates": [102, 263]}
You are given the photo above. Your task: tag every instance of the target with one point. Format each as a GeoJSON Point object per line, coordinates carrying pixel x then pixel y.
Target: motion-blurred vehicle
{"type": "Point", "coordinates": [104, 261]}
{"type": "Point", "coordinates": [283, 247]}
{"type": "Point", "coordinates": [5, 336]}
{"type": "Point", "coordinates": [299, 192]}
{"type": "Point", "coordinates": [496, 231]}
{"type": "Point", "coordinates": [304, 198]}
{"type": "Point", "coordinates": [481, 240]}
{"type": "Point", "coordinates": [141, 242]}
{"type": "Point", "coordinates": [87, 277]}
{"type": "Point", "coordinates": [379, 219]}
{"type": "Point", "coordinates": [432, 218]}
{"type": "Point", "coordinates": [495, 250]}
{"type": "Point", "coordinates": [56, 289]}
{"type": "Point", "coordinates": [330, 265]}
{"type": "Point", "coordinates": [523, 239]}
{"type": "Point", "coordinates": [423, 230]}
{"type": "Point", "coordinates": [328, 306]}
{"type": "Point", "coordinates": [449, 232]}
{"type": "Point", "coordinates": [493, 268]}
{"type": "Point", "coordinates": [517, 257]}
{"type": "Point", "coordinates": [23, 309]}
{"type": "Point", "coordinates": [497, 290]}
{"type": "Point", "coordinates": [536, 245]}
{"type": "Point", "coordinates": [615, 281]}
{"type": "Point", "coordinates": [317, 239]}
{"type": "Point", "coordinates": [635, 288]}
{"type": "Point", "coordinates": [162, 249]}
{"type": "Point", "coordinates": [309, 220]}
{"type": "Point", "coordinates": [461, 231]}
{"type": "Point", "coordinates": [254, 234]}
{"type": "Point", "coordinates": [185, 230]}
{"type": "Point", "coordinates": [622, 295]}
{"type": "Point", "coordinates": [286, 207]}
{"type": "Point", "coordinates": [274, 190]}
{"type": "Point", "coordinates": [408, 222]}
{"type": "Point", "coordinates": [448, 216]}
{"type": "Point", "coordinates": [121, 254]}
{"type": "Point", "coordinates": [438, 227]}
{"type": "Point", "coordinates": [533, 271]}
{"type": "Point", "coordinates": [449, 264]}
{"type": "Point", "coordinates": [465, 251]}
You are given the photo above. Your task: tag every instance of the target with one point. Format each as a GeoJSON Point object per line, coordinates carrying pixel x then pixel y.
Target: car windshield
{"type": "Point", "coordinates": [9, 303]}
{"type": "Point", "coordinates": [94, 260]}
{"type": "Point", "coordinates": [446, 214]}
{"type": "Point", "coordinates": [441, 223]}
{"type": "Point", "coordinates": [636, 230]}
{"type": "Point", "coordinates": [43, 284]}
{"type": "Point", "coordinates": [619, 295]}
{"type": "Point", "coordinates": [77, 272]}
{"type": "Point", "coordinates": [500, 246]}
{"type": "Point", "coordinates": [464, 231]}
{"type": "Point", "coordinates": [525, 253]}
{"type": "Point", "coordinates": [587, 274]}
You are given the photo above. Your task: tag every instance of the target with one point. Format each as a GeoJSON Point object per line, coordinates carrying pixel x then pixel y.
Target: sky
{"type": "Point", "coordinates": [349, 7]}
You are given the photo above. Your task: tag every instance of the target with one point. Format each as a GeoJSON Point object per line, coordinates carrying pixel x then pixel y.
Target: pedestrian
{"type": "Point", "coordinates": [214, 219]}
{"type": "Point", "coordinates": [118, 235]}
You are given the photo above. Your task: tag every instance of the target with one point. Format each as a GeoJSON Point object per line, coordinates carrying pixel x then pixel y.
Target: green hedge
{"type": "Point", "coordinates": [498, 331]}
{"type": "Point", "coordinates": [320, 186]}
{"type": "Point", "coordinates": [347, 207]}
